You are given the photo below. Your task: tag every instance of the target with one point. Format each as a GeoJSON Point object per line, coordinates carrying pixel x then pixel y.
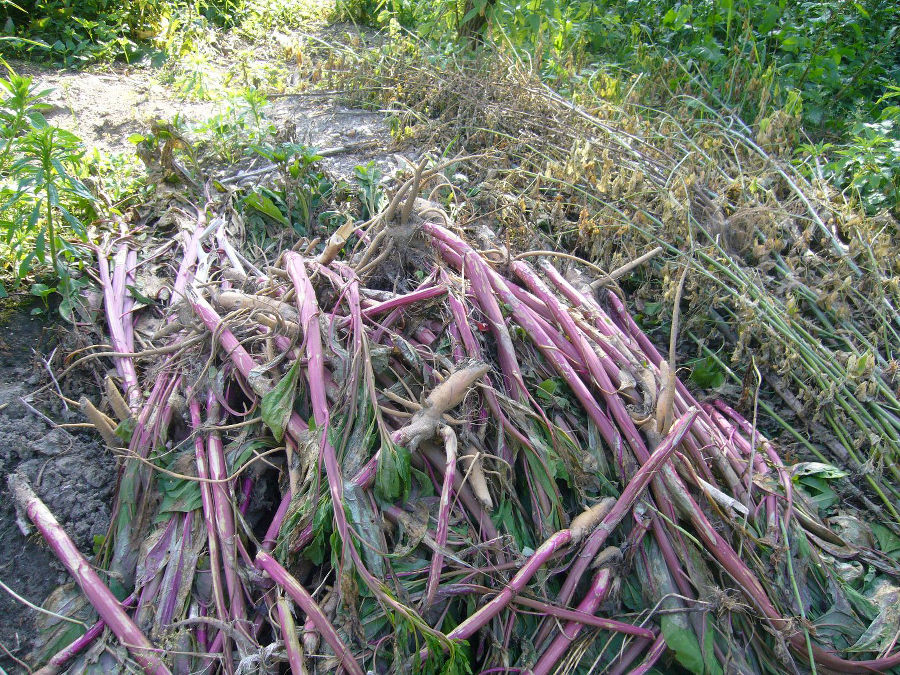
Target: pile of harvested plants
{"type": "Point", "coordinates": [402, 449]}
{"type": "Point", "coordinates": [793, 290]}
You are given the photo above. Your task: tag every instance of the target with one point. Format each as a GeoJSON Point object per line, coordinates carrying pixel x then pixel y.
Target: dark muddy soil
{"type": "Point", "coordinates": [69, 469]}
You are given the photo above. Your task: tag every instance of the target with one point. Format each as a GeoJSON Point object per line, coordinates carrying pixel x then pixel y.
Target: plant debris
{"type": "Point", "coordinates": [404, 449]}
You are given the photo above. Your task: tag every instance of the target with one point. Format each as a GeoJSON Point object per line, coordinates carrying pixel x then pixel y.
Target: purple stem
{"type": "Point", "coordinates": [630, 655]}
{"type": "Point", "coordinates": [95, 590]}
{"type": "Point", "coordinates": [657, 649]}
{"type": "Point", "coordinates": [114, 302]}
{"type": "Point", "coordinates": [558, 648]}
{"type": "Point", "coordinates": [443, 519]}
{"type": "Point", "coordinates": [275, 527]}
{"type": "Point", "coordinates": [403, 301]}
{"type": "Point", "coordinates": [586, 619]}
{"type": "Point", "coordinates": [209, 517]}
{"type": "Point", "coordinates": [300, 595]}
{"type": "Point", "coordinates": [69, 652]}
{"type": "Point", "coordinates": [637, 484]}
{"type": "Point", "coordinates": [289, 635]}
{"type": "Point", "coordinates": [224, 518]}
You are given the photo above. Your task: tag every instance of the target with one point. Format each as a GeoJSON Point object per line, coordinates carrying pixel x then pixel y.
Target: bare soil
{"type": "Point", "coordinates": [70, 470]}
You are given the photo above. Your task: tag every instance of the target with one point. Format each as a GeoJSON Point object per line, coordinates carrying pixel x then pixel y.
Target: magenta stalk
{"type": "Point", "coordinates": [66, 654]}
{"type": "Point", "coordinates": [289, 635]}
{"type": "Point", "coordinates": [100, 597]}
{"type": "Point", "coordinates": [619, 510]}
{"type": "Point", "coordinates": [560, 645]}
{"type": "Point", "coordinates": [300, 595]}
{"type": "Point", "coordinates": [209, 518]}
{"type": "Point", "coordinates": [626, 500]}
{"type": "Point", "coordinates": [115, 306]}
{"type": "Point", "coordinates": [443, 520]}
{"type": "Point", "coordinates": [657, 649]}
{"type": "Point", "coordinates": [573, 615]}
{"type": "Point", "coordinates": [224, 520]}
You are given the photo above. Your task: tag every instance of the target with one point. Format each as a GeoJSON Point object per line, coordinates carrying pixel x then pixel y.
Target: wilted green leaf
{"type": "Point", "coordinates": [392, 478]}
{"type": "Point", "coordinates": [707, 373]}
{"type": "Point", "coordinates": [277, 405]}
{"type": "Point", "coordinates": [818, 469]}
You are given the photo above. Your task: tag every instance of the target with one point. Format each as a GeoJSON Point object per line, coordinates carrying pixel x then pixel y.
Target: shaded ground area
{"type": "Point", "coordinates": [71, 471]}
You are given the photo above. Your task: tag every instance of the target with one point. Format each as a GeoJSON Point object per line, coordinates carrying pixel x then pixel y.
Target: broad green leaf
{"type": "Point", "coordinates": [707, 373]}
{"type": "Point", "coordinates": [392, 478]}
{"type": "Point", "coordinates": [266, 206]}
{"type": "Point", "coordinates": [278, 404]}
{"type": "Point", "coordinates": [683, 643]}
{"type": "Point", "coordinates": [888, 542]}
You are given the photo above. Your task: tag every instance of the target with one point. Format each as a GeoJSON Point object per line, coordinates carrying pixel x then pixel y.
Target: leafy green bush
{"type": "Point", "coordinates": [42, 198]}
{"type": "Point", "coordinates": [76, 32]}
{"type": "Point", "coordinates": [870, 163]}
{"type": "Point", "coordinates": [826, 64]}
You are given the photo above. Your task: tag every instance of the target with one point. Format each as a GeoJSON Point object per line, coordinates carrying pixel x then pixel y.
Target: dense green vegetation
{"type": "Point", "coordinates": [832, 67]}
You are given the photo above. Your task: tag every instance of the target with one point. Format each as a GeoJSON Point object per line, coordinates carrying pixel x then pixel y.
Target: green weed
{"type": "Point", "coordinates": [42, 197]}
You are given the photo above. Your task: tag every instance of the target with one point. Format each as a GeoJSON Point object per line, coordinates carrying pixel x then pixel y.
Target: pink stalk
{"type": "Point", "coordinates": [209, 517]}
{"type": "Point", "coordinates": [275, 527]}
{"type": "Point", "coordinates": [191, 250]}
{"type": "Point", "coordinates": [601, 321]}
{"type": "Point", "coordinates": [235, 350]}
{"type": "Point", "coordinates": [130, 268]}
{"type": "Point", "coordinates": [629, 655]}
{"type": "Point", "coordinates": [309, 312]}
{"type": "Point", "coordinates": [309, 321]}
{"type": "Point", "coordinates": [588, 355]}
{"type": "Point", "coordinates": [481, 617]}
{"type": "Point", "coordinates": [506, 353]}
{"type": "Point", "coordinates": [100, 597]}
{"type": "Point", "coordinates": [622, 506]}
{"type": "Point", "coordinates": [69, 652]}
{"type": "Point", "coordinates": [300, 595]}
{"type": "Point", "coordinates": [637, 484]}
{"type": "Point", "coordinates": [558, 648]}
{"type": "Point", "coordinates": [481, 276]}
{"type": "Point", "coordinates": [465, 494]}
{"type": "Point", "coordinates": [246, 491]}
{"type": "Point", "coordinates": [289, 635]}
{"type": "Point", "coordinates": [114, 303]}
{"type": "Point", "coordinates": [403, 301]}
{"type": "Point", "coordinates": [443, 519]}
{"type": "Point", "coordinates": [225, 519]}
{"type": "Point", "coordinates": [657, 649]}
{"type": "Point", "coordinates": [572, 615]}
{"type": "Point", "coordinates": [783, 474]}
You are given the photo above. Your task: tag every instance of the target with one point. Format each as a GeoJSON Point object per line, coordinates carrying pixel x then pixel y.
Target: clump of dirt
{"type": "Point", "coordinates": [69, 469]}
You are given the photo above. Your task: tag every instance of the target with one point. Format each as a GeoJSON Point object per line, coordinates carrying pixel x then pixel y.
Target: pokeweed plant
{"type": "Point", "coordinates": [40, 192]}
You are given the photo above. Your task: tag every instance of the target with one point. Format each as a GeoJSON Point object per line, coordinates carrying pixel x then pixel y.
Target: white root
{"type": "Point", "coordinates": [447, 395]}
